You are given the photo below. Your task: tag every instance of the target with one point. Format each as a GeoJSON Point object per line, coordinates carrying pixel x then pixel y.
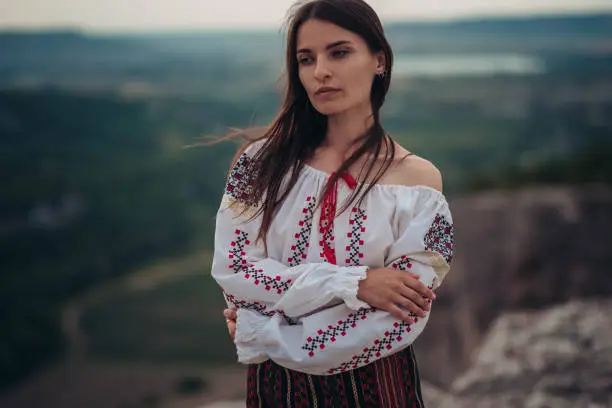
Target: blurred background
{"type": "Point", "coordinates": [106, 219]}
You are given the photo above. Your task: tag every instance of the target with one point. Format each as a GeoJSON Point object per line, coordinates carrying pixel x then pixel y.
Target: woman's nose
{"type": "Point", "coordinates": [321, 70]}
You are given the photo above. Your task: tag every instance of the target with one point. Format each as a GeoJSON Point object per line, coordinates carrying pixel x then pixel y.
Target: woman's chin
{"type": "Point", "coordinates": [328, 109]}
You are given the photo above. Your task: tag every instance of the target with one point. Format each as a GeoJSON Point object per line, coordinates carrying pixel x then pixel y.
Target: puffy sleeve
{"type": "Point", "coordinates": [251, 280]}
{"type": "Point", "coordinates": [423, 226]}
{"type": "Point", "coordinates": [337, 338]}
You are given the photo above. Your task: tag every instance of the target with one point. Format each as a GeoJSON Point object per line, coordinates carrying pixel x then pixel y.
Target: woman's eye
{"type": "Point", "coordinates": [304, 60]}
{"type": "Point", "coordinates": [339, 53]}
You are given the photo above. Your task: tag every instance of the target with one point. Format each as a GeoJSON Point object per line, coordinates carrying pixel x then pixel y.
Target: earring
{"type": "Point", "coordinates": [381, 74]}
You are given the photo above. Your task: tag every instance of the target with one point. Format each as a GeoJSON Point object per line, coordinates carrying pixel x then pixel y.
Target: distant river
{"type": "Point", "coordinates": [467, 65]}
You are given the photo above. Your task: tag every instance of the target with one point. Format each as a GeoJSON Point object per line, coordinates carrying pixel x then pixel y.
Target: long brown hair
{"type": "Point", "coordinates": [298, 129]}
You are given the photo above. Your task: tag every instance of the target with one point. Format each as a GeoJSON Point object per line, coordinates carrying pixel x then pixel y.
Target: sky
{"type": "Point", "coordinates": [152, 15]}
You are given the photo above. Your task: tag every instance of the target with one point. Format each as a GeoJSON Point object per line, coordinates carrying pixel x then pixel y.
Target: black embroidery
{"type": "Point", "coordinates": [239, 182]}
{"type": "Point", "coordinates": [387, 341]}
{"type": "Point", "coordinates": [299, 247]}
{"type": "Point", "coordinates": [355, 241]}
{"type": "Point", "coordinates": [239, 264]}
{"type": "Point", "coordinates": [332, 333]}
{"type": "Point", "coordinates": [441, 237]}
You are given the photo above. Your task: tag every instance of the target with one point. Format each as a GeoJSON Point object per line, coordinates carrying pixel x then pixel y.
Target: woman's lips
{"type": "Point", "coordinates": [327, 93]}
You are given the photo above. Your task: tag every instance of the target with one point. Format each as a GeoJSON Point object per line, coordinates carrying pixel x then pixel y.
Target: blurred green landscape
{"type": "Point", "coordinates": [98, 185]}
{"type": "Point", "coordinates": [168, 316]}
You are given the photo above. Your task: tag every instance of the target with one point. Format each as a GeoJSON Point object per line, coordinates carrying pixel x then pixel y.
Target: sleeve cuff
{"type": "Point", "coordinates": [249, 337]}
{"type": "Point", "coordinates": [348, 285]}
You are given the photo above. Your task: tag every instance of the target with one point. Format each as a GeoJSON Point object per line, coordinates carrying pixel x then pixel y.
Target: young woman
{"type": "Point", "coordinates": [331, 238]}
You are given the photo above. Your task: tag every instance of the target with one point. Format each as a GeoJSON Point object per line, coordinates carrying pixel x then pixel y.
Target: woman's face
{"type": "Point", "coordinates": [335, 67]}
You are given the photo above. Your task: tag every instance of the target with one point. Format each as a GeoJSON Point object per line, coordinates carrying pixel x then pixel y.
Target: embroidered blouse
{"type": "Point", "coordinates": [297, 304]}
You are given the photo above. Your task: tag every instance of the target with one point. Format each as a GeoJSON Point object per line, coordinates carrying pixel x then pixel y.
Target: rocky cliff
{"type": "Point", "coordinates": [559, 357]}
{"type": "Point", "coordinates": [516, 250]}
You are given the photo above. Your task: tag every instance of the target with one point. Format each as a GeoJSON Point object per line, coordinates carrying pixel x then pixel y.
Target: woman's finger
{"type": "Point", "coordinates": [415, 297]}
{"type": "Point", "coordinates": [231, 327]}
{"type": "Point", "coordinates": [418, 286]}
{"type": "Point", "coordinates": [408, 304]}
{"type": "Point", "coordinates": [230, 314]}
{"type": "Point", "coordinates": [400, 314]}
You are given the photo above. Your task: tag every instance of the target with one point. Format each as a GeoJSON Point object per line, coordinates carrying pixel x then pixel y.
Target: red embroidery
{"type": "Point", "coordinates": [257, 307]}
{"type": "Point", "coordinates": [328, 214]}
{"type": "Point", "coordinates": [302, 237]}
{"type": "Point", "coordinates": [240, 264]}
{"type": "Point", "coordinates": [441, 237]}
{"type": "Point", "coordinates": [326, 232]}
{"type": "Point", "coordinates": [375, 351]}
{"type": "Point", "coordinates": [355, 247]}
{"type": "Point", "coordinates": [239, 181]}
{"type": "Point", "coordinates": [403, 264]}
{"type": "Point", "coordinates": [243, 304]}
{"type": "Point", "coordinates": [381, 344]}
{"type": "Point", "coordinates": [332, 333]}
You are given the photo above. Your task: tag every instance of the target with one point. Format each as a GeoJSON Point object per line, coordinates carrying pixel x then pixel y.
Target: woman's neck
{"type": "Point", "coordinates": [345, 128]}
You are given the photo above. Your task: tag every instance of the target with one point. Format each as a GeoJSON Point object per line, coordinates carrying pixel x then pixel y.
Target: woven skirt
{"type": "Point", "coordinates": [391, 382]}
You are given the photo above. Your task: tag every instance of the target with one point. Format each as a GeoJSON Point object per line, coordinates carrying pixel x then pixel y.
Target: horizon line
{"type": "Point", "coordinates": [475, 17]}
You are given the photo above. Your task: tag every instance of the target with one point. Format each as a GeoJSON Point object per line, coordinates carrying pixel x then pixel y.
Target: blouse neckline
{"type": "Point", "coordinates": [325, 175]}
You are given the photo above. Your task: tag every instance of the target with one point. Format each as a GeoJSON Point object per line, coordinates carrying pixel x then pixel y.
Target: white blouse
{"type": "Point", "coordinates": [300, 310]}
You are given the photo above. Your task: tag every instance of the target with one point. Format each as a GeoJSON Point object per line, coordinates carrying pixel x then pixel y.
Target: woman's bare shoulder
{"type": "Point", "coordinates": [409, 169]}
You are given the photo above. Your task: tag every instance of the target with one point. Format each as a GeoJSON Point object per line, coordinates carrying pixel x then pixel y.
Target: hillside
{"type": "Point", "coordinates": [92, 187]}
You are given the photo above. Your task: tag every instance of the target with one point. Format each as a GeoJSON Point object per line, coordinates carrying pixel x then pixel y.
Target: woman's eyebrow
{"type": "Point", "coordinates": [329, 46]}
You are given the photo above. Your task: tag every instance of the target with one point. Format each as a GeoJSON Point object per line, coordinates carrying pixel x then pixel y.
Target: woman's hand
{"type": "Point", "coordinates": [397, 292]}
{"type": "Point", "coordinates": [230, 319]}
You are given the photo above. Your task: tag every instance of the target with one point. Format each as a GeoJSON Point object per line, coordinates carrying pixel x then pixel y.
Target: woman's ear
{"type": "Point", "coordinates": [381, 62]}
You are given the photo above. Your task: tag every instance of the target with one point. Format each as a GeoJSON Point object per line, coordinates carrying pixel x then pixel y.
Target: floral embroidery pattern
{"type": "Point", "coordinates": [257, 307]}
{"type": "Point", "coordinates": [237, 254]}
{"type": "Point", "coordinates": [402, 264]}
{"type": "Point", "coordinates": [328, 235]}
{"type": "Point", "coordinates": [239, 264]}
{"type": "Point", "coordinates": [332, 333]}
{"type": "Point", "coordinates": [355, 245]}
{"type": "Point", "coordinates": [386, 342]}
{"type": "Point", "coordinates": [374, 352]}
{"type": "Point", "coordinates": [302, 237]}
{"type": "Point", "coordinates": [243, 304]}
{"type": "Point", "coordinates": [441, 237]}
{"type": "Point", "coordinates": [239, 181]}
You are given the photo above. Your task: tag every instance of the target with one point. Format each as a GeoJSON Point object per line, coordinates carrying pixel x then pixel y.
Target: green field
{"type": "Point", "coordinates": [166, 314]}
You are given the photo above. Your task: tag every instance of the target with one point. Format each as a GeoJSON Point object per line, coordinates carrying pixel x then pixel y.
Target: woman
{"type": "Point", "coordinates": [331, 237]}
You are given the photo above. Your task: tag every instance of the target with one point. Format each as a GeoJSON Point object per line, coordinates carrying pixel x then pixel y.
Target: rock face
{"type": "Point", "coordinates": [559, 358]}
{"type": "Point", "coordinates": [515, 250]}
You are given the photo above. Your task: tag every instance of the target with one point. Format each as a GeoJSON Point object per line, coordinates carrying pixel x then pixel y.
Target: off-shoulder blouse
{"type": "Point", "coordinates": [297, 304]}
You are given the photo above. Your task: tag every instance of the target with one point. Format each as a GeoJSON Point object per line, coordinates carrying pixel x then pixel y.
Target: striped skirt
{"type": "Point", "coordinates": [391, 382]}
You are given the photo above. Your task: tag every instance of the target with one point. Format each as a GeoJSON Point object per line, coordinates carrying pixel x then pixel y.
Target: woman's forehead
{"type": "Point", "coordinates": [316, 35]}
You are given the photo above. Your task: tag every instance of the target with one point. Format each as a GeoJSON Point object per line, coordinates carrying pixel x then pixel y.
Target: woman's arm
{"type": "Point", "coordinates": [337, 339]}
{"type": "Point", "coordinates": [330, 341]}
